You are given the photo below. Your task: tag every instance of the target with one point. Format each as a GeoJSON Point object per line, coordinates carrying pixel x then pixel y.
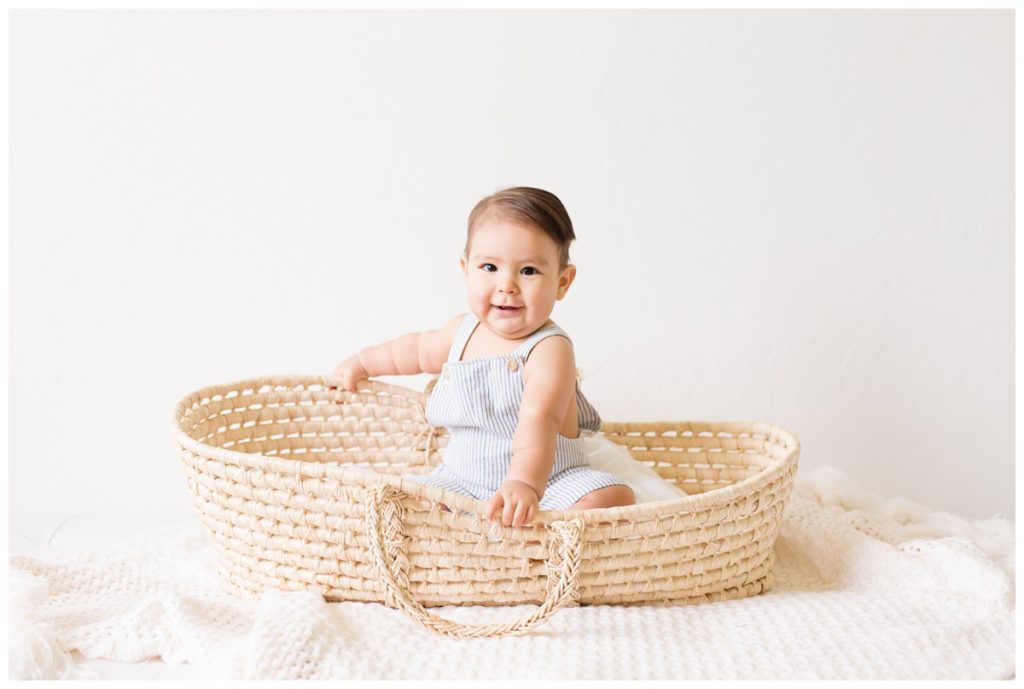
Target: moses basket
{"type": "Point", "coordinates": [279, 474]}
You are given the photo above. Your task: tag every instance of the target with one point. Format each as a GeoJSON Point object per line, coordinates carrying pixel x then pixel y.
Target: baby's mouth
{"type": "Point", "coordinates": [507, 309]}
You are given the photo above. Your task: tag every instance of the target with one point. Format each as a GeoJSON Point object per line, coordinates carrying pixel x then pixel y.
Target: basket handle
{"type": "Point", "coordinates": [384, 529]}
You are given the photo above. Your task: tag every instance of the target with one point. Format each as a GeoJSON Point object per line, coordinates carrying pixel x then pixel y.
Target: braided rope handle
{"type": "Point", "coordinates": [384, 529]}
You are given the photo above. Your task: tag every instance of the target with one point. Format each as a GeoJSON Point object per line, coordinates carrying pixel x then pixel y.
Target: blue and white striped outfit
{"type": "Point", "coordinates": [478, 402]}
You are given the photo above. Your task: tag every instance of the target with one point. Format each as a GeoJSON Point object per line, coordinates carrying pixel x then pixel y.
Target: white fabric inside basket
{"type": "Point", "coordinates": [647, 484]}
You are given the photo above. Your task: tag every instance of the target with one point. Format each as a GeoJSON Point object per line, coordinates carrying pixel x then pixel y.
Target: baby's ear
{"type": "Point", "coordinates": [565, 279]}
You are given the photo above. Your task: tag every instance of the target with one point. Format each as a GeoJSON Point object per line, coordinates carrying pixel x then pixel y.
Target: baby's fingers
{"type": "Point", "coordinates": [509, 512]}
{"type": "Point", "coordinates": [522, 515]}
{"type": "Point", "coordinates": [492, 506]}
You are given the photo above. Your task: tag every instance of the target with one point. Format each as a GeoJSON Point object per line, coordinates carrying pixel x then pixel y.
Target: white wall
{"type": "Point", "coordinates": [803, 217]}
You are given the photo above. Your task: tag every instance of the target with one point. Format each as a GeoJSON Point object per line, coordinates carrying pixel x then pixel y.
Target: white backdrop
{"type": "Point", "coordinates": [802, 217]}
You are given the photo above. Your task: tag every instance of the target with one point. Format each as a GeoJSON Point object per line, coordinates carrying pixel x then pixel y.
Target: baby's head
{"type": "Point", "coordinates": [517, 255]}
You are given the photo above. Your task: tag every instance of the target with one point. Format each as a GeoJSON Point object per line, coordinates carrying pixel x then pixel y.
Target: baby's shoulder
{"type": "Point", "coordinates": [453, 323]}
{"type": "Point", "coordinates": [437, 343]}
{"type": "Point", "coordinates": [450, 328]}
{"type": "Point", "coordinates": [551, 336]}
{"type": "Point", "coordinates": [553, 352]}
{"type": "Point", "coordinates": [552, 363]}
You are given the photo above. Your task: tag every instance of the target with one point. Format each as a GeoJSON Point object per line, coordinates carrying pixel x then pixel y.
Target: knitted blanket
{"type": "Point", "coordinates": [864, 588]}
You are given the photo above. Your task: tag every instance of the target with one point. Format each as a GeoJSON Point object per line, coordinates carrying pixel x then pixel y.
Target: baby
{"type": "Point", "coordinates": [508, 392]}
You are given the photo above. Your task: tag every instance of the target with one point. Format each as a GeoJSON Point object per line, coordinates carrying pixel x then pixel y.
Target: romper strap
{"type": "Point", "coordinates": [462, 336]}
{"type": "Point", "coordinates": [523, 350]}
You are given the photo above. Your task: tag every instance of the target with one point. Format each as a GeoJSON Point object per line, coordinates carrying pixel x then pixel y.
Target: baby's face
{"type": "Point", "coordinates": [514, 265]}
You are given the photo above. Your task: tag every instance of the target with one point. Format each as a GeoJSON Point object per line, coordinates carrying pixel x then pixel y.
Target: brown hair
{"type": "Point", "coordinates": [529, 206]}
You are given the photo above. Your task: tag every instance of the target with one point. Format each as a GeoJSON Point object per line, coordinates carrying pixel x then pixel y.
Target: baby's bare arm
{"type": "Point", "coordinates": [400, 356]}
{"type": "Point", "coordinates": [422, 352]}
{"type": "Point", "coordinates": [550, 380]}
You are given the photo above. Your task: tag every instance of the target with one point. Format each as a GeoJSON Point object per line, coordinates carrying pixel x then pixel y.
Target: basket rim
{"type": "Point", "coordinates": [456, 501]}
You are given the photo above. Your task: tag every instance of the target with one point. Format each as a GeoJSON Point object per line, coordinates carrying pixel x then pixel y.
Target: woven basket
{"type": "Point", "coordinates": [272, 467]}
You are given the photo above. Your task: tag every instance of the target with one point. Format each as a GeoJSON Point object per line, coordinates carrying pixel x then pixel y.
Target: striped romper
{"type": "Point", "coordinates": [478, 402]}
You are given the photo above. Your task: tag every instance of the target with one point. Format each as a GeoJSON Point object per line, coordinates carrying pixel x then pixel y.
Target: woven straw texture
{"type": "Point", "coordinates": [277, 471]}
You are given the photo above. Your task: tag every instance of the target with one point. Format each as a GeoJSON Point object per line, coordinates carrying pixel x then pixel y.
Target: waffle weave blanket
{"type": "Point", "coordinates": [865, 588]}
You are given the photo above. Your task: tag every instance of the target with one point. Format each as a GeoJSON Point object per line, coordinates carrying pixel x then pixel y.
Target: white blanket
{"type": "Point", "coordinates": [864, 588]}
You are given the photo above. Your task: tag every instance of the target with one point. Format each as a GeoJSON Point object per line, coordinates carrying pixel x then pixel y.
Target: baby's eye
{"type": "Point", "coordinates": [533, 271]}
{"type": "Point", "coordinates": [484, 266]}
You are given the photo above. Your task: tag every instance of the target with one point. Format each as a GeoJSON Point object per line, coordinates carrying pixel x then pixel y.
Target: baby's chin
{"type": "Point", "coordinates": [512, 327]}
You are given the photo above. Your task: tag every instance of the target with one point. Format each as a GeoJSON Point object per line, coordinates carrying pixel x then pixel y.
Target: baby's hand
{"type": "Point", "coordinates": [517, 502]}
{"type": "Point", "coordinates": [350, 371]}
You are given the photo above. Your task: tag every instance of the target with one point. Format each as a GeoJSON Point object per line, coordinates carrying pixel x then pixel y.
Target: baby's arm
{"type": "Point", "coordinates": [421, 352]}
{"type": "Point", "coordinates": [550, 378]}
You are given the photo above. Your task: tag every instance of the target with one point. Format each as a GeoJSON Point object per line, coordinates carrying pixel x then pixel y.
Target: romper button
{"type": "Point", "coordinates": [513, 365]}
